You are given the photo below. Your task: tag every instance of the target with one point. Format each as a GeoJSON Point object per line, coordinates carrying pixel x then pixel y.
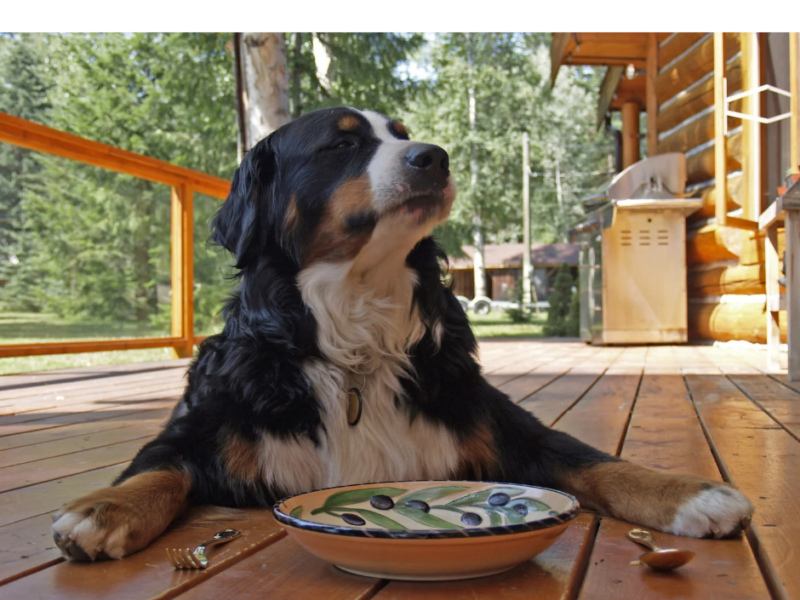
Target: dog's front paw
{"type": "Point", "coordinates": [94, 528]}
{"type": "Point", "coordinates": [717, 511]}
{"type": "Point", "coordinates": [117, 521]}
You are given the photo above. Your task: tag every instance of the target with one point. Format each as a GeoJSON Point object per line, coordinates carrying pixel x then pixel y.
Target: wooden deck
{"type": "Point", "coordinates": [699, 409]}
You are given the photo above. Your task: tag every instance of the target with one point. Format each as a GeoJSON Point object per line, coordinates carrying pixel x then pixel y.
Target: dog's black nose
{"type": "Point", "coordinates": [429, 158]}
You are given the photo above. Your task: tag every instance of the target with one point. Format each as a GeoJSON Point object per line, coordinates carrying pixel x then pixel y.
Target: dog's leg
{"type": "Point", "coordinates": [680, 504]}
{"type": "Point", "coordinates": [116, 521]}
{"type": "Point", "coordinates": [119, 520]}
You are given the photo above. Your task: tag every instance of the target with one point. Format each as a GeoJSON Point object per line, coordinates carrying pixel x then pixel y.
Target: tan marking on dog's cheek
{"type": "Point", "coordinates": [241, 458]}
{"type": "Point", "coordinates": [348, 123]}
{"type": "Point", "coordinates": [477, 454]}
{"type": "Point", "coordinates": [332, 241]}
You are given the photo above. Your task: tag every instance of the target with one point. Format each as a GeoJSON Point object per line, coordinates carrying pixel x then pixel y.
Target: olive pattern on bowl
{"type": "Point", "coordinates": [499, 506]}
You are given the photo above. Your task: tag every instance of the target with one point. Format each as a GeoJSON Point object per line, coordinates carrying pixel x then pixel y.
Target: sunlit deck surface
{"type": "Point", "coordinates": [712, 411]}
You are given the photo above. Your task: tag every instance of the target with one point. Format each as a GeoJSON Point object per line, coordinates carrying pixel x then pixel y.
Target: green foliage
{"type": "Point", "coordinates": [518, 314]}
{"type": "Point", "coordinates": [24, 94]}
{"type": "Point", "coordinates": [362, 72]}
{"type": "Point", "coordinates": [510, 77]}
{"type": "Point", "coordinates": [560, 321]}
{"type": "Point", "coordinates": [96, 243]}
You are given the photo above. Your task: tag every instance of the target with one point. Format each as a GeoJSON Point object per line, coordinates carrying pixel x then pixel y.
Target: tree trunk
{"type": "Point", "coordinates": [297, 106]}
{"type": "Point", "coordinates": [478, 260]}
{"type": "Point", "coordinates": [263, 86]}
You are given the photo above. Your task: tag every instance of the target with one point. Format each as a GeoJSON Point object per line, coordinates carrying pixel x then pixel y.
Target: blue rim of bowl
{"type": "Point", "coordinates": [418, 534]}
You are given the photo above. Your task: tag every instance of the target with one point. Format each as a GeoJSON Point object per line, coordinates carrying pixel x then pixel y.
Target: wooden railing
{"type": "Point", "coordinates": [184, 183]}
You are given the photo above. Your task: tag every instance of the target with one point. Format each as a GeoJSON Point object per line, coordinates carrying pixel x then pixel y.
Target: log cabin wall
{"type": "Point", "coordinates": [726, 282]}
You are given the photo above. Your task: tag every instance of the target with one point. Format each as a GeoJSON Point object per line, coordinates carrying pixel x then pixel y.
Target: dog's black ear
{"type": "Point", "coordinates": [237, 225]}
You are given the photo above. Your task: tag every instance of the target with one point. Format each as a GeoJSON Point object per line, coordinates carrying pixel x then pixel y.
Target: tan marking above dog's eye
{"type": "Point", "coordinates": [348, 123]}
{"type": "Point", "coordinates": [399, 129]}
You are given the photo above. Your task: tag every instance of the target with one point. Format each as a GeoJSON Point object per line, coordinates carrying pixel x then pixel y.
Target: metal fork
{"type": "Point", "coordinates": [196, 559]}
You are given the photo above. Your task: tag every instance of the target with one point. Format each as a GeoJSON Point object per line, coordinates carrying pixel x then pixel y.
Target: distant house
{"type": "Point", "coordinates": [504, 268]}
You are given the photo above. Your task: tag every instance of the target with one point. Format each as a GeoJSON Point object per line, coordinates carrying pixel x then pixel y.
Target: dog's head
{"type": "Point", "coordinates": [335, 185]}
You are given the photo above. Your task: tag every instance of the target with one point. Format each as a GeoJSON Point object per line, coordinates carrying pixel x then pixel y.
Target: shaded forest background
{"type": "Point", "coordinates": [84, 243]}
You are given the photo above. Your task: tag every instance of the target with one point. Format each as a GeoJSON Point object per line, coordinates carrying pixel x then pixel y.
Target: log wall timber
{"type": "Point", "coordinates": [693, 65]}
{"type": "Point", "coordinates": [692, 100]}
{"type": "Point", "coordinates": [693, 133]}
{"type": "Point", "coordinates": [700, 166]}
{"type": "Point", "coordinates": [711, 243]}
{"type": "Point", "coordinates": [718, 281]}
{"type": "Point", "coordinates": [731, 321]}
{"type": "Point", "coordinates": [709, 196]}
{"type": "Point", "coordinates": [675, 45]}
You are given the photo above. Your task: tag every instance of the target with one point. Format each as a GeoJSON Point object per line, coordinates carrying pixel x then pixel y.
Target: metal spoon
{"type": "Point", "coordinates": [661, 559]}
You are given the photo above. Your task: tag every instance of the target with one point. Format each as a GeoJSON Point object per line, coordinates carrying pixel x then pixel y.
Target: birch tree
{"type": "Point", "coordinates": [262, 94]}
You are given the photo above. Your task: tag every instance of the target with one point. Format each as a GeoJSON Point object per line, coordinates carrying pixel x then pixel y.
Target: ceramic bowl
{"type": "Point", "coordinates": [427, 530]}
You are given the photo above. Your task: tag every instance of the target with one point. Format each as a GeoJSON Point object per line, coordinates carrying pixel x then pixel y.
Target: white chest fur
{"type": "Point", "coordinates": [363, 338]}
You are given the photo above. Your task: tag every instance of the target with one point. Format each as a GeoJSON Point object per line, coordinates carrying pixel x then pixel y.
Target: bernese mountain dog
{"type": "Point", "coordinates": [341, 295]}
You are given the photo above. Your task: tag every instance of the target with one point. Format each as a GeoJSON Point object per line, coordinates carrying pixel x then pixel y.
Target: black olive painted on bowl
{"type": "Point", "coordinates": [352, 519]}
{"type": "Point", "coordinates": [469, 518]}
{"type": "Point", "coordinates": [419, 505]}
{"type": "Point", "coordinates": [520, 509]}
{"type": "Point", "coordinates": [499, 499]}
{"type": "Point", "coordinates": [381, 502]}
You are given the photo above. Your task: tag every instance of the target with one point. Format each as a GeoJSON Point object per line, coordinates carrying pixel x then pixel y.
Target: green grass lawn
{"type": "Point", "coordinates": [30, 328]}
{"type": "Point", "coordinates": [497, 324]}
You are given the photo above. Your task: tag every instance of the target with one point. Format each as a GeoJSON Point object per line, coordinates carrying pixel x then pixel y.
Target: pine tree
{"type": "Point", "coordinates": [559, 322]}
{"type": "Point", "coordinates": [24, 95]}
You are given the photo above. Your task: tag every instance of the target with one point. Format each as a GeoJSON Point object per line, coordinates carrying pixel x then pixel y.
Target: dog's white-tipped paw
{"type": "Point", "coordinates": [80, 537]}
{"type": "Point", "coordinates": [718, 511]}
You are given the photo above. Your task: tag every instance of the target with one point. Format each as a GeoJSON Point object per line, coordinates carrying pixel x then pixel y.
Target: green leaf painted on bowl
{"type": "Point", "coordinates": [531, 503]}
{"type": "Point", "coordinates": [297, 511]}
{"type": "Point", "coordinates": [426, 519]}
{"type": "Point", "coordinates": [483, 496]}
{"type": "Point", "coordinates": [354, 497]}
{"type": "Point", "coordinates": [512, 516]}
{"type": "Point", "coordinates": [447, 508]}
{"type": "Point", "coordinates": [432, 493]}
{"type": "Point", "coordinates": [378, 519]}
{"type": "Point", "coordinates": [495, 518]}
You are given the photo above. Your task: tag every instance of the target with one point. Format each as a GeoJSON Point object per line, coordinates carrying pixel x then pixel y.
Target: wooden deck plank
{"type": "Point", "coordinates": [665, 434]}
{"type": "Point", "coordinates": [148, 573]}
{"type": "Point", "coordinates": [110, 389]}
{"type": "Point", "coordinates": [763, 460]}
{"type": "Point", "coordinates": [778, 401]}
{"type": "Point", "coordinates": [550, 402]}
{"type": "Point", "coordinates": [139, 430]}
{"type": "Point", "coordinates": [77, 413]}
{"type": "Point", "coordinates": [529, 383]}
{"type": "Point", "coordinates": [26, 547]}
{"type": "Point", "coordinates": [33, 473]}
{"type": "Point", "coordinates": [46, 436]}
{"type": "Point", "coordinates": [76, 388]}
{"type": "Point", "coordinates": [287, 572]}
{"type": "Point", "coordinates": [526, 361]}
{"type": "Point", "coordinates": [41, 378]}
{"type": "Point", "coordinates": [43, 498]}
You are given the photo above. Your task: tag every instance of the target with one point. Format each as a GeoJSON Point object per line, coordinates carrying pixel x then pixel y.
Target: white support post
{"type": "Point", "coordinates": [792, 263]}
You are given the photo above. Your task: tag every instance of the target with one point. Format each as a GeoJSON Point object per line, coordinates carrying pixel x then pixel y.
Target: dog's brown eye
{"type": "Point", "coordinates": [344, 144]}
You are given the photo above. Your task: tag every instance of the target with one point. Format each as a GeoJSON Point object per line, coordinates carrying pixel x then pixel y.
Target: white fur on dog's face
{"type": "Point", "coordinates": [398, 229]}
